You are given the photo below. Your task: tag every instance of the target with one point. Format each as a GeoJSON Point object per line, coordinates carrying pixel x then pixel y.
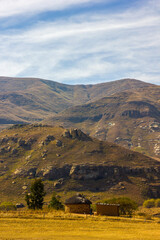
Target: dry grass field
{"type": "Point", "coordinates": [59, 226]}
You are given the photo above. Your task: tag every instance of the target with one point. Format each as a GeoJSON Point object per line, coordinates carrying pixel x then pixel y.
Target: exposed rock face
{"type": "Point", "coordinates": [140, 109]}
{"type": "Point", "coordinates": [92, 172]}
{"type": "Point", "coordinates": [29, 173]}
{"type": "Point", "coordinates": [4, 140]}
{"type": "Point", "coordinates": [97, 172]}
{"type": "Point", "coordinates": [58, 143]}
{"type": "Point", "coordinates": [54, 173]}
{"type": "Point", "coordinates": [59, 183]}
{"type": "Point", "coordinates": [67, 134]}
{"type": "Point", "coordinates": [112, 176]}
{"type": "Point", "coordinates": [14, 151]}
{"type": "Point", "coordinates": [26, 143]}
{"type": "Point", "coordinates": [76, 134]}
{"type": "Point", "coordinates": [48, 139]}
{"type": "Point", "coordinates": [21, 142]}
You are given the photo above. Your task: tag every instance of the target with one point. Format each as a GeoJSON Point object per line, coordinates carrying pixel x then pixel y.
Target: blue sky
{"type": "Point", "coordinates": [80, 41]}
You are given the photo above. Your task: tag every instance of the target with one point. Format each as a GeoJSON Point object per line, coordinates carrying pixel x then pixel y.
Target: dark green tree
{"type": "Point", "coordinates": [55, 203]}
{"type": "Point", "coordinates": [35, 199]}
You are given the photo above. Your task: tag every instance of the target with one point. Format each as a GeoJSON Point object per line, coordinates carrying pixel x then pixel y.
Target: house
{"type": "Point", "coordinates": [78, 204]}
{"type": "Point", "coordinates": [107, 209]}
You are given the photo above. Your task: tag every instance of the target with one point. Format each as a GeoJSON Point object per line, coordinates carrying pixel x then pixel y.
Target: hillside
{"type": "Point", "coordinates": [69, 160]}
{"type": "Point", "coordinates": [27, 100]}
{"type": "Point", "coordinates": [129, 118]}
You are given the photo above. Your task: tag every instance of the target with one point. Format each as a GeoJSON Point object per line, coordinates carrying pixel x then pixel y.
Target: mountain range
{"type": "Point", "coordinates": [126, 111]}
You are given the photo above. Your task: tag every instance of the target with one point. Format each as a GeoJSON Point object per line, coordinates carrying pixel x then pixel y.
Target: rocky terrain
{"type": "Point", "coordinates": [70, 160]}
{"type": "Point", "coordinates": [130, 119]}
{"type": "Point", "coordinates": [126, 112]}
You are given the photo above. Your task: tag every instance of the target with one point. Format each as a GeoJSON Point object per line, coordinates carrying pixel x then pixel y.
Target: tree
{"type": "Point", "coordinates": [55, 203]}
{"type": "Point", "coordinates": [127, 205]}
{"type": "Point", "coordinates": [36, 197]}
{"type": "Point", "coordinates": [147, 192]}
{"type": "Point", "coordinates": [149, 203]}
{"type": "Point", "coordinates": [157, 202]}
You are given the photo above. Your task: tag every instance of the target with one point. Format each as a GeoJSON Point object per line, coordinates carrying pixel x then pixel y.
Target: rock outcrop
{"type": "Point", "coordinates": [76, 134]}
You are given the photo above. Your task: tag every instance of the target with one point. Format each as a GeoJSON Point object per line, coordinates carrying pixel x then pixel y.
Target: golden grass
{"type": "Point", "coordinates": [59, 226]}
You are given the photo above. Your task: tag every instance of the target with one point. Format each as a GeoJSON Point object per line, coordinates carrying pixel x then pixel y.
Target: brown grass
{"type": "Point", "coordinates": [58, 226]}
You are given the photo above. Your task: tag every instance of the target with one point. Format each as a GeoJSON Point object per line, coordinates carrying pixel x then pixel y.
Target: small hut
{"type": "Point", "coordinates": [107, 209]}
{"type": "Point", "coordinates": [78, 204]}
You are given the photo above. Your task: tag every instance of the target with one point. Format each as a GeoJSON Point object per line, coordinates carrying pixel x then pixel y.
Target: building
{"type": "Point", "coordinates": [78, 204]}
{"type": "Point", "coordinates": [107, 209]}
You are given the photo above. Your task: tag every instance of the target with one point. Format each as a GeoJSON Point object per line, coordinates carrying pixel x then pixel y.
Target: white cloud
{"type": "Point", "coordinates": [86, 47]}
{"type": "Point", "coordinates": [15, 7]}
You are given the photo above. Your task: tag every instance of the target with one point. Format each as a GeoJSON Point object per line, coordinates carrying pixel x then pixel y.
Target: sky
{"type": "Point", "coordinates": [80, 41]}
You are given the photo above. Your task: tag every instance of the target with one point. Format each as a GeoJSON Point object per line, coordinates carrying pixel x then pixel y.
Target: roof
{"type": "Point", "coordinates": [108, 204]}
{"type": "Point", "coordinates": [78, 199]}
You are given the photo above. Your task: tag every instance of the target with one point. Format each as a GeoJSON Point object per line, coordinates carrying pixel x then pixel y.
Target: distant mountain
{"type": "Point", "coordinates": [69, 160]}
{"type": "Point", "coordinates": [128, 118]}
{"type": "Point", "coordinates": [26, 100]}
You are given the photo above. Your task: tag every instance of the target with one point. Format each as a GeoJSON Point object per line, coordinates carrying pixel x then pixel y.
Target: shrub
{"type": "Point", "coordinates": [149, 203]}
{"type": "Point", "coordinates": [127, 205]}
{"type": "Point", "coordinates": [157, 202]}
{"type": "Point", "coordinates": [7, 206]}
{"type": "Point", "coordinates": [55, 203]}
{"type": "Point", "coordinates": [147, 192]}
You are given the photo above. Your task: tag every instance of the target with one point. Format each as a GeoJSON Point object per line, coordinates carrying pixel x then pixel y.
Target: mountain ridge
{"type": "Point", "coordinates": [33, 99]}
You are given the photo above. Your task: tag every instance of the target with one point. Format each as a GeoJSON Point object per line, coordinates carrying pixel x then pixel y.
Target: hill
{"type": "Point", "coordinates": [28, 100]}
{"type": "Point", "coordinates": [129, 118]}
{"type": "Point", "coordinates": [69, 160]}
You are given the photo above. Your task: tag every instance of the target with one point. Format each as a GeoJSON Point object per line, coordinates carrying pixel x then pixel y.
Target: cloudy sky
{"type": "Point", "coordinates": [80, 41]}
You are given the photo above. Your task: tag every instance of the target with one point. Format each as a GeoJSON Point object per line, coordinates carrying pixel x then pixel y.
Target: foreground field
{"type": "Point", "coordinates": [76, 227]}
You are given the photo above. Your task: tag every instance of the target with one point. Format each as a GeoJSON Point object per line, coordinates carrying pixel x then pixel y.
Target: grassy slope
{"type": "Point", "coordinates": [31, 99]}
{"type": "Point", "coordinates": [73, 151]}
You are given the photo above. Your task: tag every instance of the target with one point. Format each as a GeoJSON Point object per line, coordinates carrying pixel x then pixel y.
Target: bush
{"type": "Point", "coordinates": [127, 205]}
{"type": "Point", "coordinates": [147, 192]}
{"type": "Point", "coordinates": [149, 203]}
{"type": "Point", "coordinates": [55, 203]}
{"type": "Point", "coordinates": [157, 202]}
{"type": "Point", "coordinates": [7, 206]}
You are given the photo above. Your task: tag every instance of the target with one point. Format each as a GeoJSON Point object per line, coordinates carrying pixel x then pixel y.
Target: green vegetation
{"type": "Point", "coordinates": [127, 205]}
{"type": "Point", "coordinates": [150, 203]}
{"type": "Point", "coordinates": [147, 192]}
{"type": "Point", "coordinates": [35, 199]}
{"type": "Point", "coordinates": [157, 202]}
{"type": "Point", "coordinates": [7, 206]}
{"type": "Point", "coordinates": [55, 203]}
